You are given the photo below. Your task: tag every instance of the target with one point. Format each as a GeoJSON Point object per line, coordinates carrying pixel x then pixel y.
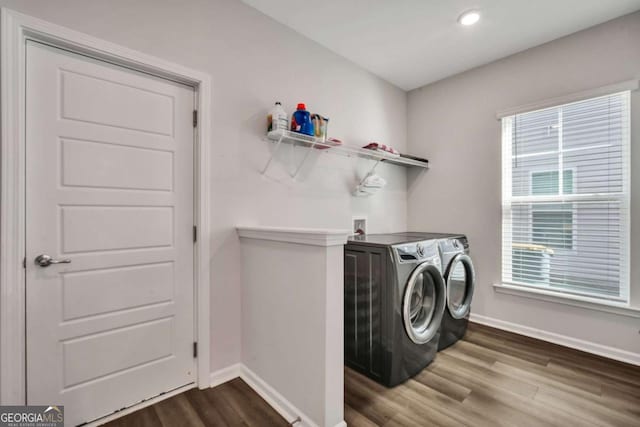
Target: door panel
{"type": "Point", "coordinates": [144, 105]}
{"type": "Point", "coordinates": [110, 187]}
{"type": "Point", "coordinates": [96, 350]}
{"type": "Point", "coordinates": [102, 228]}
{"type": "Point", "coordinates": [100, 165]}
{"type": "Point", "coordinates": [107, 290]}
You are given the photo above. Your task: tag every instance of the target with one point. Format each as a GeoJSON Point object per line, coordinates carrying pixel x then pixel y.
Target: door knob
{"type": "Point", "coordinates": [45, 260]}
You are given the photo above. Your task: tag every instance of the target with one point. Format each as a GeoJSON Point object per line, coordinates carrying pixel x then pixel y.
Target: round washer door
{"type": "Point", "coordinates": [423, 303]}
{"type": "Point", "coordinates": [461, 280]}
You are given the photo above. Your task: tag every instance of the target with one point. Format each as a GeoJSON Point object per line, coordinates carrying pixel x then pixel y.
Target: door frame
{"type": "Point", "coordinates": [16, 28]}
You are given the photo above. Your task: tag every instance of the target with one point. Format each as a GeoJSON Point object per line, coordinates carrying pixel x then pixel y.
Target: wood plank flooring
{"type": "Point", "coordinates": [496, 378]}
{"type": "Point", "coordinates": [232, 404]}
{"type": "Point", "coordinates": [491, 378]}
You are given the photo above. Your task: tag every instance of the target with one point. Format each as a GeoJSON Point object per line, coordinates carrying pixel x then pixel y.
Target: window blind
{"type": "Point", "coordinates": [566, 198]}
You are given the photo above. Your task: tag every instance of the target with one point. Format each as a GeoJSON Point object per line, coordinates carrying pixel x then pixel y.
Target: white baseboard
{"type": "Point", "coordinates": [278, 402]}
{"type": "Point", "coordinates": [225, 374]}
{"type": "Point", "coordinates": [564, 340]}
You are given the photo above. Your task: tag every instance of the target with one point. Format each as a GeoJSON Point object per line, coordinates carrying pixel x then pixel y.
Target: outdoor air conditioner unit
{"type": "Point", "coordinates": [531, 263]}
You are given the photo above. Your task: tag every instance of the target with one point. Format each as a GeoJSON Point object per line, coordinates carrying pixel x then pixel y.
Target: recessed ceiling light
{"type": "Point", "coordinates": [469, 18]}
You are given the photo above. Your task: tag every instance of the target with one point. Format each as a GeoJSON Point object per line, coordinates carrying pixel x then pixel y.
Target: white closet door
{"type": "Point", "coordinates": [109, 188]}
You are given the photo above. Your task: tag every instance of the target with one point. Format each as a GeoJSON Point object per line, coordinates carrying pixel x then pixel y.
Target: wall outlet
{"type": "Point", "coordinates": [359, 225]}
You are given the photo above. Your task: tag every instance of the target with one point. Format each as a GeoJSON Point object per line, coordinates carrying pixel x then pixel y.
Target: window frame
{"type": "Point", "coordinates": [622, 197]}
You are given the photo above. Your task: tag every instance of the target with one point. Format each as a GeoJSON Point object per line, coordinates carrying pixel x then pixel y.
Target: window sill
{"type": "Point", "coordinates": [576, 301]}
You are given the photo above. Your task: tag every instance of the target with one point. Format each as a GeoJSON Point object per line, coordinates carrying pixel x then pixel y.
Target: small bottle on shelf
{"type": "Point", "coordinates": [277, 120]}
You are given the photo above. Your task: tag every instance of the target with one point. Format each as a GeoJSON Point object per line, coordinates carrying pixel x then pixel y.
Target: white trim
{"type": "Point", "coordinates": [625, 259]}
{"type": "Point", "coordinates": [278, 402]}
{"type": "Point", "coordinates": [563, 340]}
{"type": "Point", "coordinates": [16, 29]}
{"type": "Point", "coordinates": [302, 236]}
{"type": "Point", "coordinates": [12, 215]}
{"type": "Point", "coordinates": [567, 99]}
{"type": "Point", "coordinates": [529, 202]}
{"type": "Point", "coordinates": [223, 375]}
{"type": "Point", "coordinates": [507, 190]}
{"type": "Point", "coordinates": [138, 406]}
{"type": "Point", "coordinates": [568, 299]}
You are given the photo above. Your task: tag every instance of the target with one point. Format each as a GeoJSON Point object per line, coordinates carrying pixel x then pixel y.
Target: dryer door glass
{"type": "Point", "coordinates": [423, 303]}
{"type": "Point", "coordinates": [460, 284]}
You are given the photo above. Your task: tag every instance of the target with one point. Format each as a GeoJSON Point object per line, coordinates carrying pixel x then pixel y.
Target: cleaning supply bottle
{"type": "Point", "coordinates": [277, 118]}
{"type": "Point", "coordinates": [301, 121]}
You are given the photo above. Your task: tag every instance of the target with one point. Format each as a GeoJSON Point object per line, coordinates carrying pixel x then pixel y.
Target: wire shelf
{"type": "Point", "coordinates": [294, 138]}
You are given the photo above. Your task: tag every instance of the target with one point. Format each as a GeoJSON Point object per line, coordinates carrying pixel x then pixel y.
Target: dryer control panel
{"type": "Point", "coordinates": [457, 245]}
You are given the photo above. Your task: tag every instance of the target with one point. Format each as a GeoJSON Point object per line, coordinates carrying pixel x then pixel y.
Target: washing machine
{"type": "Point", "coordinates": [394, 300]}
{"type": "Point", "coordinates": [459, 277]}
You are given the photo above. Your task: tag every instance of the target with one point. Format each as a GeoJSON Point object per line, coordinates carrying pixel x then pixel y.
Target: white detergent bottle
{"type": "Point", "coordinates": [277, 120]}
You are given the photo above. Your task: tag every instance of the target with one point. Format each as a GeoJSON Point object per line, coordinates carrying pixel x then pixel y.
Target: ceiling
{"type": "Point", "coordinates": [411, 43]}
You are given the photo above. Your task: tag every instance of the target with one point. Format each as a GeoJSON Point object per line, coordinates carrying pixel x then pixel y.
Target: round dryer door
{"type": "Point", "coordinates": [460, 283]}
{"type": "Point", "coordinates": [423, 303]}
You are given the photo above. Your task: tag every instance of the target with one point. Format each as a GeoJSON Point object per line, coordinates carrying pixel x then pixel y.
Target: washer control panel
{"type": "Point", "coordinates": [417, 251]}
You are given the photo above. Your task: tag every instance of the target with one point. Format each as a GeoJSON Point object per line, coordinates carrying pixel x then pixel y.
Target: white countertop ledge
{"type": "Point", "coordinates": [301, 236]}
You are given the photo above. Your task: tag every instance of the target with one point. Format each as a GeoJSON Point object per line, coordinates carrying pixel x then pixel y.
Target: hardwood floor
{"type": "Point", "coordinates": [230, 404]}
{"type": "Point", "coordinates": [495, 378]}
{"type": "Point", "coordinates": [491, 378]}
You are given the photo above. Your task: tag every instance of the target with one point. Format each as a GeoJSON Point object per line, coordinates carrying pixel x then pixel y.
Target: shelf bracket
{"type": "Point", "coordinates": [371, 171]}
{"type": "Point", "coordinates": [273, 153]}
{"type": "Point", "coordinates": [304, 159]}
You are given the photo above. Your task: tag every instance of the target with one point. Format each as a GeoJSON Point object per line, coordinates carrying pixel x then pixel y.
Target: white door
{"type": "Point", "coordinates": [110, 189]}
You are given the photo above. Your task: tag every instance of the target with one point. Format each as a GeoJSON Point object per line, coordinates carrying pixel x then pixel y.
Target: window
{"type": "Point", "coordinates": [548, 182]}
{"type": "Point", "coordinates": [552, 224]}
{"type": "Point", "coordinates": [566, 198]}
{"type": "Point", "coordinates": [552, 228]}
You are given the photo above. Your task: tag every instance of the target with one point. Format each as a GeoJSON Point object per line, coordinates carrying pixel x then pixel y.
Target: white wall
{"type": "Point", "coordinates": [255, 61]}
{"type": "Point", "coordinates": [453, 123]}
{"type": "Point", "coordinates": [292, 321]}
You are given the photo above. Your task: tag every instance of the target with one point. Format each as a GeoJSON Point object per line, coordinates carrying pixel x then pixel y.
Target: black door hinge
{"type": "Point", "coordinates": [195, 233]}
{"type": "Point", "coordinates": [195, 118]}
{"type": "Point", "coordinates": [24, 263]}
{"type": "Point", "coordinates": [195, 349]}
